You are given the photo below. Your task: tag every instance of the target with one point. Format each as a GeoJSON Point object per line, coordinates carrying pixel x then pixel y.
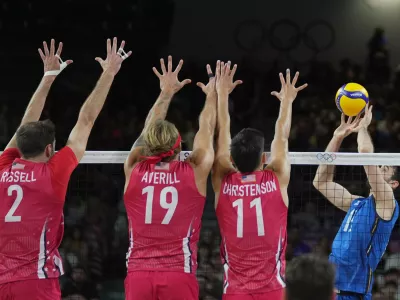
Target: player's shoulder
{"type": "Point", "coordinates": [66, 152]}
{"type": "Point", "coordinates": [232, 173]}
{"type": "Point", "coordinates": [228, 178]}
{"type": "Point", "coordinates": [268, 171]}
{"type": "Point", "coordinates": [11, 151]}
{"type": "Point", "coordinates": [65, 157]}
{"type": "Point", "coordinates": [358, 201]}
{"type": "Point", "coordinates": [186, 167]}
{"type": "Point", "coordinates": [8, 156]}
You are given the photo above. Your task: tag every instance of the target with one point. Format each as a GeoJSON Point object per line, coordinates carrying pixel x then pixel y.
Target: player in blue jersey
{"type": "Point", "coordinates": [365, 232]}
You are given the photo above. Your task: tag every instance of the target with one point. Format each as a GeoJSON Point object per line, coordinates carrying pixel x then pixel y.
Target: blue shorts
{"type": "Point", "coordinates": [348, 297]}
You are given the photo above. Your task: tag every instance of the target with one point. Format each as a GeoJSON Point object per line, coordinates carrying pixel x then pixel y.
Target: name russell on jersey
{"type": "Point", "coordinates": [249, 189]}
{"type": "Point", "coordinates": [18, 176]}
{"type": "Point", "coordinates": [160, 178]}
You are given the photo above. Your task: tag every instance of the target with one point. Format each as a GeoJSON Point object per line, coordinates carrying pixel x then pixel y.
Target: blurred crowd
{"type": "Point", "coordinates": [96, 236]}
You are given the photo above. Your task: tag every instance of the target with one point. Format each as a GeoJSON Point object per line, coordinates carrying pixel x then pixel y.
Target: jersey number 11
{"type": "Point", "coordinates": [259, 216]}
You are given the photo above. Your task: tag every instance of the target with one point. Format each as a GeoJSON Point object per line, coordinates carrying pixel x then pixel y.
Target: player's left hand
{"type": "Point", "coordinates": [52, 60]}
{"type": "Point", "coordinates": [224, 77]}
{"type": "Point", "coordinates": [288, 90]}
{"type": "Point", "coordinates": [210, 87]}
{"type": "Point", "coordinates": [169, 82]}
{"type": "Point", "coordinates": [113, 62]}
{"type": "Point", "coordinates": [366, 120]}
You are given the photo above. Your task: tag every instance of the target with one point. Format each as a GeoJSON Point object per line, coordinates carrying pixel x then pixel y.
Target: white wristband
{"type": "Point", "coordinates": [63, 65]}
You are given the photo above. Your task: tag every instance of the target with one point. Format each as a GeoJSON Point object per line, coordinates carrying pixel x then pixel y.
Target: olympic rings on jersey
{"type": "Point", "coordinates": [285, 35]}
{"type": "Point", "coordinates": [327, 157]}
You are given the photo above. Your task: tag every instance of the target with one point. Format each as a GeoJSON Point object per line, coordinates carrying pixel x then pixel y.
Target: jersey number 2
{"type": "Point", "coordinates": [10, 191]}
{"type": "Point", "coordinates": [171, 206]}
{"type": "Point", "coordinates": [259, 215]}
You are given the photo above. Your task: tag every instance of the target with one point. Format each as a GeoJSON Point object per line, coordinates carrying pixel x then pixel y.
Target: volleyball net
{"type": "Point", "coordinates": [95, 215]}
{"type": "Point", "coordinates": [296, 158]}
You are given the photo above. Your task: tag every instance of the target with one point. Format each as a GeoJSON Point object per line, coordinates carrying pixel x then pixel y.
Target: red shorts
{"type": "Point", "coordinates": [274, 295]}
{"type": "Point", "coordinates": [153, 285]}
{"type": "Point", "coordinates": [35, 289]}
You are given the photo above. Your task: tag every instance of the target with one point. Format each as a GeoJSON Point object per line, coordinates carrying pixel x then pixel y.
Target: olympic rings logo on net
{"type": "Point", "coordinates": [328, 157]}
{"type": "Point", "coordinates": [285, 35]}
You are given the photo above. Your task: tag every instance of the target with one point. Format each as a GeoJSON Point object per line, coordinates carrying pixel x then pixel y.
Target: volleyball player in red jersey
{"type": "Point", "coordinates": [165, 198]}
{"type": "Point", "coordinates": [33, 184]}
{"type": "Point", "coordinates": [251, 201]}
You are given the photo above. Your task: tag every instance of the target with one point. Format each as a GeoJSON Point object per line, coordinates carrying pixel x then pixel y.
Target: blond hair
{"type": "Point", "coordinates": [159, 138]}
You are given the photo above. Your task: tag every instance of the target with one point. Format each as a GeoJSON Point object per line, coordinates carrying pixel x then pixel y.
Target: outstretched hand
{"type": "Point", "coordinates": [347, 127]}
{"type": "Point", "coordinates": [354, 124]}
{"type": "Point", "coordinates": [52, 62]}
{"type": "Point", "coordinates": [224, 77]}
{"type": "Point", "coordinates": [169, 82]}
{"type": "Point", "coordinates": [288, 89]}
{"type": "Point", "coordinates": [114, 59]}
{"type": "Point", "coordinates": [366, 119]}
{"type": "Point", "coordinates": [210, 87]}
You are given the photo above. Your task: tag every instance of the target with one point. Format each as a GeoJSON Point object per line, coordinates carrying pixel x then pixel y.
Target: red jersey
{"type": "Point", "coordinates": [164, 209]}
{"type": "Point", "coordinates": [252, 218]}
{"type": "Point", "coordinates": [31, 214]}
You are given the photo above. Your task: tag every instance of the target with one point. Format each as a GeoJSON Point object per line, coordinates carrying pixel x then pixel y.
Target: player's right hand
{"type": "Point", "coordinates": [112, 64]}
{"type": "Point", "coordinates": [224, 77]}
{"type": "Point", "coordinates": [49, 57]}
{"type": "Point", "coordinates": [169, 82]}
{"type": "Point", "coordinates": [347, 127]}
{"type": "Point", "coordinates": [288, 89]}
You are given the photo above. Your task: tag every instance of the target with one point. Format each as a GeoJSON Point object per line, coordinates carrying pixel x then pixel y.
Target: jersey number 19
{"type": "Point", "coordinates": [149, 190]}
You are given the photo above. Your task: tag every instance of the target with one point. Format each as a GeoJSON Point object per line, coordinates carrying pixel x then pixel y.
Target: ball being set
{"type": "Point", "coordinates": [351, 99]}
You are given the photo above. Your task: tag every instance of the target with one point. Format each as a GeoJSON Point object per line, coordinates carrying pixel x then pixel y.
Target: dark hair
{"type": "Point", "coordinates": [396, 173]}
{"type": "Point", "coordinates": [390, 283]}
{"type": "Point", "coordinates": [309, 278]}
{"type": "Point", "coordinates": [247, 148]}
{"type": "Point", "coordinates": [33, 137]}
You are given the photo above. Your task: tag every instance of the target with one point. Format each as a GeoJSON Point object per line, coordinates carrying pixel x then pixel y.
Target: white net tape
{"type": "Point", "coordinates": [296, 158]}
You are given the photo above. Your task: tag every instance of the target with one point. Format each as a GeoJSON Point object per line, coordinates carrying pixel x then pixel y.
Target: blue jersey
{"type": "Point", "coordinates": [359, 245]}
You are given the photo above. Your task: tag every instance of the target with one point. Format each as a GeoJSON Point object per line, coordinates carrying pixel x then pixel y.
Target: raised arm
{"type": "Point", "coordinates": [280, 163]}
{"type": "Point", "coordinates": [52, 67]}
{"type": "Point", "coordinates": [202, 156]}
{"type": "Point", "coordinates": [90, 110]}
{"type": "Point", "coordinates": [380, 188]}
{"type": "Point", "coordinates": [323, 180]}
{"type": "Point", "coordinates": [224, 86]}
{"type": "Point", "coordinates": [169, 85]}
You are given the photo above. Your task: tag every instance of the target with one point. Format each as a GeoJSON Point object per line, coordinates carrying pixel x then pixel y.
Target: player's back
{"type": "Point", "coordinates": [360, 244]}
{"type": "Point", "coordinates": [253, 218]}
{"type": "Point", "coordinates": [164, 209]}
{"type": "Point", "coordinates": [31, 224]}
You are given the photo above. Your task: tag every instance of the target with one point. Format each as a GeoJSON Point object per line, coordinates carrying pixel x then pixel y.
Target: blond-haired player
{"type": "Point", "coordinates": [164, 197]}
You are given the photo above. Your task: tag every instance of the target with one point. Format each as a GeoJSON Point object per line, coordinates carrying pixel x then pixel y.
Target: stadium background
{"type": "Point", "coordinates": [330, 42]}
